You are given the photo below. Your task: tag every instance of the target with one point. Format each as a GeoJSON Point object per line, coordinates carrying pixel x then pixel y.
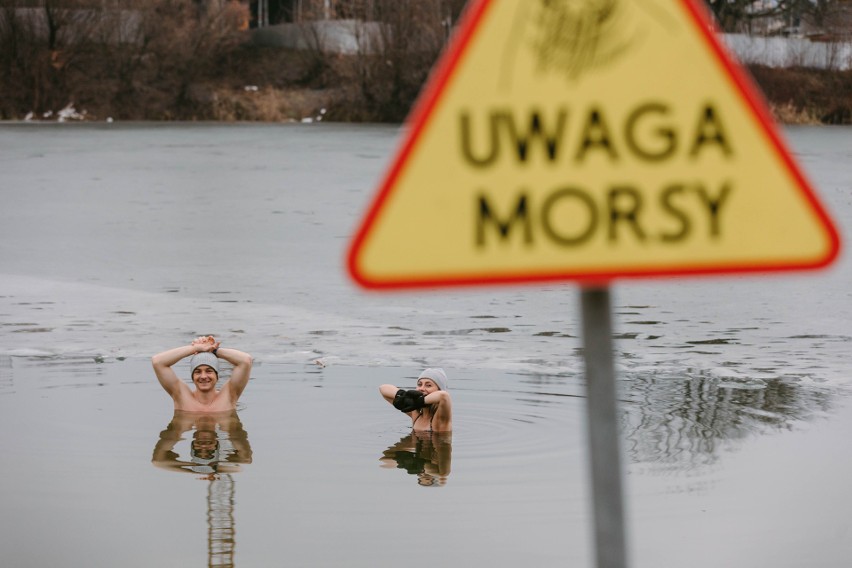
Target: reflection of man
{"type": "Point", "coordinates": [204, 368]}
{"type": "Point", "coordinates": [428, 455]}
{"type": "Point", "coordinates": [218, 445]}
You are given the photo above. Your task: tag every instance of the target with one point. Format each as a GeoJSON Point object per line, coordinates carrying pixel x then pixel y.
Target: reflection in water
{"type": "Point", "coordinates": [684, 422]}
{"type": "Point", "coordinates": [220, 521]}
{"type": "Point", "coordinates": [7, 385]}
{"type": "Point", "coordinates": [218, 446]}
{"type": "Point", "coordinates": [428, 455]}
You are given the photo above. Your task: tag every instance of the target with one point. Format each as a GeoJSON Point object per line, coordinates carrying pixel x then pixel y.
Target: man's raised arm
{"type": "Point", "coordinates": [164, 361]}
{"type": "Point", "coordinates": [242, 369]}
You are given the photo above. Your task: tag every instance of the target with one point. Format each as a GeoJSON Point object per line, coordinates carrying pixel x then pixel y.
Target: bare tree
{"type": "Point", "coordinates": [396, 56]}
{"type": "Point", "coordinates": [40, 47]}
{"type": "Point", "coordinates": [55, 51]}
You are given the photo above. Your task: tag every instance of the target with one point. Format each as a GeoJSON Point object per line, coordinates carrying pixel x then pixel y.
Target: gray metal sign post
{"type": "Point", "coordinates": [603, 431]}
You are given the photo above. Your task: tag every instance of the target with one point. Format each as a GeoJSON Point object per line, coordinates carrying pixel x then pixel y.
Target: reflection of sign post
{"type": "Point", "coordinates": [588, 141]}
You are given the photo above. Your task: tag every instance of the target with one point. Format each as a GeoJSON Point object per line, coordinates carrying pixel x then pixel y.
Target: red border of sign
{"type": "Point", "coordinates": [442, 74]}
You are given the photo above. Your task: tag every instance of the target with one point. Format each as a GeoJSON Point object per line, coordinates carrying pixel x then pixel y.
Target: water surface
{"type": "Point", "coordinates": [119, 241]}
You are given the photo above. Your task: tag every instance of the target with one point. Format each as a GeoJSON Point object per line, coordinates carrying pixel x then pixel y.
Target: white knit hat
{"type": "Point", "coordinates": [437, 375]}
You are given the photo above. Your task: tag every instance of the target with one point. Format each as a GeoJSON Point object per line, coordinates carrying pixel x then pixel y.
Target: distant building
{"type": "Point", "coordinates": [271, 12]}
{"type": "Point", "coordinates": [821, 20]}
{"type": "Point", "coordinates": [827, 20]}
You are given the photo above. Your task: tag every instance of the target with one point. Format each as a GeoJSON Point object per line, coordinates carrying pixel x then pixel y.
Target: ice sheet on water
{"type": "Point", "coordinates": [119, 268]}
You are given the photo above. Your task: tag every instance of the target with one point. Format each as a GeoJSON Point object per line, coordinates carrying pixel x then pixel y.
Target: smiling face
{"type": "Point", "coordinates": [427, 386]}
{"type": "Point", "coordinates": [204, 377]}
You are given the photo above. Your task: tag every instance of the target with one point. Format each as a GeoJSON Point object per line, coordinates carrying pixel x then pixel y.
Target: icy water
{"type": "Point", "coordinates": [119, 241]}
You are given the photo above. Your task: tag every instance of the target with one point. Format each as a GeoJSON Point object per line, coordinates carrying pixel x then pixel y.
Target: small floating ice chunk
{"type": "Point", "coordinates": [24, 352]}
{"type": "Point", "coordinates": [748, 384]}
{"type": "Point", "coordinates": [726, 373]}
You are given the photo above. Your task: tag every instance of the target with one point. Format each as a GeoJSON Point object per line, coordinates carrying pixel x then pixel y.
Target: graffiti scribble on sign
{"type": "Point", "coordinates": [572, 37]}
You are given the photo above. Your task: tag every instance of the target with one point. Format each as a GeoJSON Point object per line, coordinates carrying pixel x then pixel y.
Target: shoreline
{"type": "Point", "coordinates": [784, 114]}
{"type": "Point", "coordinates": [254, 84]}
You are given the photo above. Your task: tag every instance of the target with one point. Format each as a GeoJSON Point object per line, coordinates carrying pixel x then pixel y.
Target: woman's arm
{"type": "Point", "coordinates": [442, 418]}
{"type": "Point", "coordinates": [388, 392]}
{"type": "Point", "coordinates": [437, 397]}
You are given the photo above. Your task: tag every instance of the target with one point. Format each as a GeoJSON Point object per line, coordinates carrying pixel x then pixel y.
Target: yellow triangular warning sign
{"type": "Point", "coordinates": [588, 141]}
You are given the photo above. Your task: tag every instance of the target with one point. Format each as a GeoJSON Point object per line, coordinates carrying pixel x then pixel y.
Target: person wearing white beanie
{"type": "Point", "coordinates": [429, 405]}
{"type": "Point", "coordinates": [204, 370]}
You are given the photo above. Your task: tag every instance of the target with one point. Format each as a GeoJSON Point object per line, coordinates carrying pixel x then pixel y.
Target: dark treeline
{"type": "Point", "coordinates": [828, 18]}
{"type": "Point", "coordinates": [193, 60]}
{"type": "Point", "coordinates": [196, 60]}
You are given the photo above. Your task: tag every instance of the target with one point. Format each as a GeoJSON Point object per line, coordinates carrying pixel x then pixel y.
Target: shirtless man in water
{"type": "Point", "coordinates": [204, 367]}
